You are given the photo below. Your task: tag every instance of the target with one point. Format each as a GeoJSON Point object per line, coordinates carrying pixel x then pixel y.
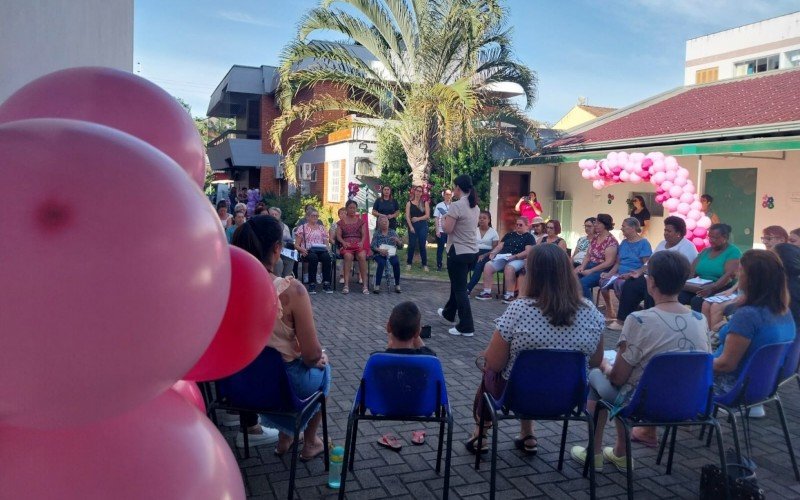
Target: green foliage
{"type": "Point", "coordinates": [293, 207]}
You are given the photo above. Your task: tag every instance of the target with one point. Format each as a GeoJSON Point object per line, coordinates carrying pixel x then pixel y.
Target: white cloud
{"type": "Point", "coordinates": [244, 17]}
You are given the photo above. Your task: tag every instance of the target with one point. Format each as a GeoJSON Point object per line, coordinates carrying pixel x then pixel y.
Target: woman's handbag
{"type": "Point", "coordinates": [742, 484]}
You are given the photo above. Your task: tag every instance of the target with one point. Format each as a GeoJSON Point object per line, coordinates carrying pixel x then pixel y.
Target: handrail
{"type": "Point", "coordinates": [230, 132]}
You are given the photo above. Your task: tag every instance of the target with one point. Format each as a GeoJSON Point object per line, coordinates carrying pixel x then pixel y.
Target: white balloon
{"type": "Point", "coordinates": [686, 198]}
{"type": "Point", "coordinates": [704, 222]}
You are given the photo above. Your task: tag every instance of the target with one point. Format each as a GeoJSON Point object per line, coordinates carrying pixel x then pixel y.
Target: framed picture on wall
{"type": "Point", "coordinates": [656, 209]}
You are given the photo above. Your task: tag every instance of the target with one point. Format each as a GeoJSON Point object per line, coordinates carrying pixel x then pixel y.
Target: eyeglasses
{"type": "Point", "coordinates": [551, 227]}
{"type": "Point", "coordinates": [588, 225]}
{"type": "Point", "coordinates": [519, 224]}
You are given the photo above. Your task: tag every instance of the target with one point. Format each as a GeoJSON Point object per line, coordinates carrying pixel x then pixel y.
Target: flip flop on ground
{"type": "Point", "coordinates": [418, 437]}
{"type": "Point", "coordinates": [390, 441]}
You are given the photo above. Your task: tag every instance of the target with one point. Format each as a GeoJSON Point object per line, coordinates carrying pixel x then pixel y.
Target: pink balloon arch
{"type": "Point", "coordinates": [674, 190]}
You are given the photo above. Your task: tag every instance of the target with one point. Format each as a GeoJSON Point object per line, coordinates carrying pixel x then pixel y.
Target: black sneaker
{"type": "Point", "coordinates": [326, 287]}
{"type": "Point", "coordinates": [312, 289]}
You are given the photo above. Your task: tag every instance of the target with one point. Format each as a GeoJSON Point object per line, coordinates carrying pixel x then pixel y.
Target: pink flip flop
{"type": "Point", "coordinates": [418, 437]}
{"type": "Point", "coordinates": [390, 441]}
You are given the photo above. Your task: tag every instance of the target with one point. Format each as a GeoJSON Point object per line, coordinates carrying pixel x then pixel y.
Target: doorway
{"type": "Point", "coordinates": [511, 186]}
{"type": "Point", "coordinates": [734, 193]}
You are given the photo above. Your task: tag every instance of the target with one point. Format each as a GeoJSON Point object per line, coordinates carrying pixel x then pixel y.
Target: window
{"type": "Point", "coordinates": [794, 58]}
{"type": "Point", "coordinates": [759, 65]}
{"type": "Point", "coordinates": [706, 75]}
{"type": "Point", "coordinates": [334, 176]}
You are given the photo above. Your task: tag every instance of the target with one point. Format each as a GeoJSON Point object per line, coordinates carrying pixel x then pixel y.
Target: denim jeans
{"type": "Point", "coordinates": [477, 270]}
{"type": "Point", "coordinates": [441, 242]}
{"type": "Point", "coordinates": [590, 281]}
{"type": "Point", "coordinates": [457, 268]}
{"type": "Point", "coordinates": [380, 262]}
{"type": "Point", "coordinates": [418, 239]}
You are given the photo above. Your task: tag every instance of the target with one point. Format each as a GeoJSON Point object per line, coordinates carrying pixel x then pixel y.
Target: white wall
{"type": "Point", "coordinates": [41, 36]}
{"type": "Point", "coordinates": [726, 48]}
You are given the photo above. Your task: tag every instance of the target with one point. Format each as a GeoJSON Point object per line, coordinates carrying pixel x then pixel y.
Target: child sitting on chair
{"type": "Point", "coordinates": [403, 329]}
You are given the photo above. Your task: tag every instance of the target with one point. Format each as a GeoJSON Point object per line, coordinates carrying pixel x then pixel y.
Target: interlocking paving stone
{"type": "Point", "coordinates": [352, 326]}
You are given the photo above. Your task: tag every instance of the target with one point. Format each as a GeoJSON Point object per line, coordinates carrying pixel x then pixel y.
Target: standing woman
{"type": "Point", "coordinates": [459, 225]}
{"type": "Point", "coordinates": [387, 206]}
{"type": "Point", "coordinates": [706, 200]}
{"type": "Point", "coordinates": [441, 236]}
{"type": "Point", "coordinates": [529, 207]}
{"type": "Point", "coordinates": [350, 234]}
{"type": "Point", "coordinates": [642, 214]}
{"type": "Point", "coordinates": [417, 214]}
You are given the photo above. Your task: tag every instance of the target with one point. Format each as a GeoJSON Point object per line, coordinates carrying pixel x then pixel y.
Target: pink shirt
{"type": "Point", "coordinates": [597, 248]}
{"type": "Point", "coordinates": [311, 235]}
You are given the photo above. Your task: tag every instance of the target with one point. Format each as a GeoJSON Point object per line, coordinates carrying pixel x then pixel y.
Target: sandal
{"type": "Point", "coordinates": [365, 291]}
{"type": "Point", "coordinates": [418, 437]}
{"type": "Point", "coordinates": [391, 442]}
{"type": "Point", "coordinates": [346, 290]}
{"type": "Point", "coordinates": [530, 449]}
{"type": "Point", "coordinates": [470, 445]}
{"type": "Point", "coordinates": [279, 453]}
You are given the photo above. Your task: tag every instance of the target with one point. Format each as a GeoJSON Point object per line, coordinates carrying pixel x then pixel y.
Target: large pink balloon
{"type": "Point", "coordinates": [115, 273]}
{"type": "Point", "coordinates": [162, 449]}
{"type": "Point", "coordinates": [191, 393]}
{"type": "Point", "coordinates": [117, 99]}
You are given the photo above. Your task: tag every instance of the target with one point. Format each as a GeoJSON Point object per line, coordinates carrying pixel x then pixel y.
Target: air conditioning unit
{"type": "Point", "coordinates": [279, 170]}
{"type": "Point", "coordinates": [366, 168]}
{"type": "Point", "coordinates": [308, 172]}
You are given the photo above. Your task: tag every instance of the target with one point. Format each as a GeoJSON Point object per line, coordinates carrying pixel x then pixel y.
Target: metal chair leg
{"type": "Point", "coordinates": [590, 461]}
{"type": "Point", "coordinates": [447, 457]}
{"type": "Point", "coordinates": [326, 452]}
{"type": "Point", "coordinates": [735, 431]}
{"type": "Point", "coordinates": [722, 460]}
{"type": "Point", "coordinates": [349, 450]}
{"type": "Point", "coordinates": [662, 445]}
{"type": "Point", "coordinates": [628, 459]}
{"type": "Point", "coordinates": [479, 441]}
{"type": "Point", "coordinates": [787, 438]}
{"type": "Point", "coordinates": [353, 444]}
{"type": "Point", "coordinates": [493, 475]}
{"type": "Point", "coordinates": [671, 449]}
{"type": "Point", "coordinates": [563, 444]}
{"type": "Point", "coordinates": [293, 467]}
{"type": "Point", "coordinates": [439, 449]}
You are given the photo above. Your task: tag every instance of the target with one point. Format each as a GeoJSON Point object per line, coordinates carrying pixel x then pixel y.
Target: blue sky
{"type": "Point", "coordinates": [613, 52]}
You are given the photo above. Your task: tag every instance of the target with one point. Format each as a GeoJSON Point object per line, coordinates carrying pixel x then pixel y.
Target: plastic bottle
{"type": "Point", "coordinates": [335, 469]}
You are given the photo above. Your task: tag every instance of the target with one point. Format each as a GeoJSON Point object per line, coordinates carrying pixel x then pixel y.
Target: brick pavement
{"type": "Point", "coordinates": [352, 326]}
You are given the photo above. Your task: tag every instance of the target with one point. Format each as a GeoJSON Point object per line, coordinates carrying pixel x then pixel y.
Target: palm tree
{"type": "Point", "coordinates": [427, 71]}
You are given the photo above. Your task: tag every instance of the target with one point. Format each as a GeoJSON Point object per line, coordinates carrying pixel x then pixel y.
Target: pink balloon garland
{"type": "Point", "coordinates": [674, 190]}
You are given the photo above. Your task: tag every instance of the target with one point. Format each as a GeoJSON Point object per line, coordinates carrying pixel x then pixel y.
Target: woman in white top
{"type": "Point", "coordinates": [487, 240]}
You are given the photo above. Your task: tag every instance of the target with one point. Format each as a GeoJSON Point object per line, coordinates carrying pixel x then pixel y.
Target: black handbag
{"type": "Point", "coordinates": [742, 484]}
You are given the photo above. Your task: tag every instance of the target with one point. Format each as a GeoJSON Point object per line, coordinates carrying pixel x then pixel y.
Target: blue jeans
{"type": "Point", "coordinates": [305, 382]}
{"type": "Point", "coordinates": [418, 239]}
{"type": "Point", "coordinates": [590, 281]}
{"type": "Point", "coordinates": [477, 271]}
{"type": "Point", "coordinates": [380, 261]}
{"type": "Point", "coordinates": [441, 242]}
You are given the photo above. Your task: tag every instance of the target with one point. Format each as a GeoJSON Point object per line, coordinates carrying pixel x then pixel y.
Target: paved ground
{"type": "Point", "coordinates": [352, 326]}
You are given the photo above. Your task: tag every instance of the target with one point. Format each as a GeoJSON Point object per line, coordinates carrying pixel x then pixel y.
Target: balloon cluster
{"type": "Point", "coordinates": [253, 197]}
{"type": "Point", "coordinates": [768, 201]}
{"type": "Point", "coordinates": [674, 189]}
{"type": "Point", "coordinates": [118, 283]}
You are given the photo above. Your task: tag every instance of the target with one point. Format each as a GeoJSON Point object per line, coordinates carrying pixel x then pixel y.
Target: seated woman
{"type": "Point", "coordinates": [351, 233]}
{"type": "Point", "coordinates": [794, 237]}
{"type": "Point", "coordinates": [717, 264]}
{"type": "Point", "coordinates": [385, 243]}
{"type": "Point", "coordinates": [311, 240]}
{"type": "Point", "coordinates": [763, 317]}
{"type": "Point", "coordinates": [294, 336]}
{"type": "Point", "coordinates": [634, 291]}
{"type": "Point", "coordinates": [716, 311]}
{"type": "Point", "coordinates": [552, 229]}
{"type": "Point", "coordinates": [602, 255]}
{"type": "Point", "coordinates": [487, 241]}
{"type": "Point", "coordinates": [667, 327]}
{"type": "Point", "coordinates": [285, 265]}
{"type": "Point", "coordinates": [582, 246]}
{"type": "Point", "coordinates": [790, 257]}
{"type": "Point", "coordinates": [630, 264]}
{"type": "Point", "coordinates": [552, 315]}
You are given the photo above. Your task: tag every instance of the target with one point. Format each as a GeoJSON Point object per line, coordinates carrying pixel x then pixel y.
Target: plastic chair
{"type": "Point", "coordinates": [545, 384]}
{"type": "Point", "coordinates": [401, 387]}
{"type": "Point", "coordinates": [758, 384]}
{"type": "Point", "coordinates": [676, 389]}
{"type": "Point", "coordinates": [263, 387]}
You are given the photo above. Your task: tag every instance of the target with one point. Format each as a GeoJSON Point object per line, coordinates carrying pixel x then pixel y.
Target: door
{"type": "Point", "coordinates": [734, 193]}
{"type": "Point", "coordinates": [512, 185]}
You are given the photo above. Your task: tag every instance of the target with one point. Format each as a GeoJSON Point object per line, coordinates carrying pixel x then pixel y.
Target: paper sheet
{"type": "Point", "coordinates": [389, 248]}
{"type": "Point", "coordinates": [698, 281]}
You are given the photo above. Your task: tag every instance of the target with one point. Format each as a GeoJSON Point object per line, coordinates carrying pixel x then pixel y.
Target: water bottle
{"type": "Point", "coordinates": [335, 469]}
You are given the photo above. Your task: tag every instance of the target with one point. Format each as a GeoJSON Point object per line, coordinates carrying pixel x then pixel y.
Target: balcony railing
{"type": "Point", "coordinates": [233, 134]}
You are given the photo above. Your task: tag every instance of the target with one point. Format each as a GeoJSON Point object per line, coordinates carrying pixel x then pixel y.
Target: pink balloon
{"type": "Point", "coordinates": [162, 449]}
{"type": "Point", "coordinates": [583, 163]}
{"type": "Point", "coordinates": [675, 192]}
{"type": "Point", "coordinates": [586, 174]}
{"type": "Point", "coordinates": [682, 173]}
{"type": "Point", "coordinates": [671, 176]}
{"type": "Point", "coordinates": [658, 166]}
{"type": "Point", "coordinates": [116, 272]}
{"type": "Point", "coordinates": [700, 232]}
{"type": "Point", "coordinates": [622, 157]}
{"type": "Point", "coordinates": [686, 198]}
{"type": "Point", "coordinates": [691, 224]}
{"type": "Point", "coordinates": [647, 163]}
{"type": "Point", "coordinates": [191, 393]}
{"type": "Point", "coordinates": [689, 188]}
{"type": "Point", "coordinates": [683, 208]}
{"type": "Point", "coordinates": [616, 170]}
{"type": "Point", "coordinates": [598, 184]}
{"type": "Point", "coordinates": [615, 178]}
{"type": "Point", "coordinates": [119, 100]}
{"type": "Point", "coordinates": [698, 242]}
{"type": "Point", "coordinates": [625, 176]}
{"type": "Point", "coordinates": [679, 181]}
{"type": "Point", "coordinates": [671, 204]}
{"type": "Point", "coordinates": [704, 222]}
{"type": "Point", "coordinates": [635, 179]}
{"type": "Point", "coordinates": [696, 205]}
{"type": "Point", "coordinates": [659, 178]}
{"type": "Point", "coordinates": [694, 214]}
{"type": "Point", "coordinates": [666, 186]}
{"type": "Point", "coordinates": [671, 163]}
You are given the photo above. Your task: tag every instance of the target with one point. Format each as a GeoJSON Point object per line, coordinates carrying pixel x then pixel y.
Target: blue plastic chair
{"type": "Point", "coordinates": [545, 384]}
{"type": "Point", "coordinates": [758, 384]}
{"type": "Point", "coordinates": [406, 388]}
{"type": "Point", "coordinates": [676, 389]}
{"type": "Point", "coordinates": [263, 387]}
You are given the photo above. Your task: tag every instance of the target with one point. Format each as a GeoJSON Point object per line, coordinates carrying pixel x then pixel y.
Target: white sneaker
{"type": "Point", "coordinates": [443, 319]}
{"type": "Point", "coordinates": [267, 436]}
{"type": "Point", "coordinates": [227, 419]}
{"type": "Point", "coordinates": [454, 331]}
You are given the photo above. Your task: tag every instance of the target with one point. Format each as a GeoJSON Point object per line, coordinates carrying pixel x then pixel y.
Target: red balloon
{"type": "Point", "coordinates": [191, 393]}
{"type": "Point", "coordinates": [247, 324]}
{"type": "Point", "coordinates": [162, 449]}
{"type": "Point", "coordinates": [114, 271]}
{"type": "Point", "coordinates": [117, 99]}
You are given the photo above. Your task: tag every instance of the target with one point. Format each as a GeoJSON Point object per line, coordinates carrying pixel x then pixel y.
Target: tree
{"type": "Point", "coordinates": [432, 82]}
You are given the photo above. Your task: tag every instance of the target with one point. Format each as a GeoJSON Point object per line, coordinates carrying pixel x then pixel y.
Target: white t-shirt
{"type": "Point", "coordinates": [439, 212]}
{"type": "Point", "coordinates": [685, 248]}
{"type": "Point", "coordinates": [485, 241]}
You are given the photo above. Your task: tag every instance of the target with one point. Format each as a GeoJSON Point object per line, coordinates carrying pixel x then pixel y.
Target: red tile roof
{"type": "Point", "coordinates": [757, 100]}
